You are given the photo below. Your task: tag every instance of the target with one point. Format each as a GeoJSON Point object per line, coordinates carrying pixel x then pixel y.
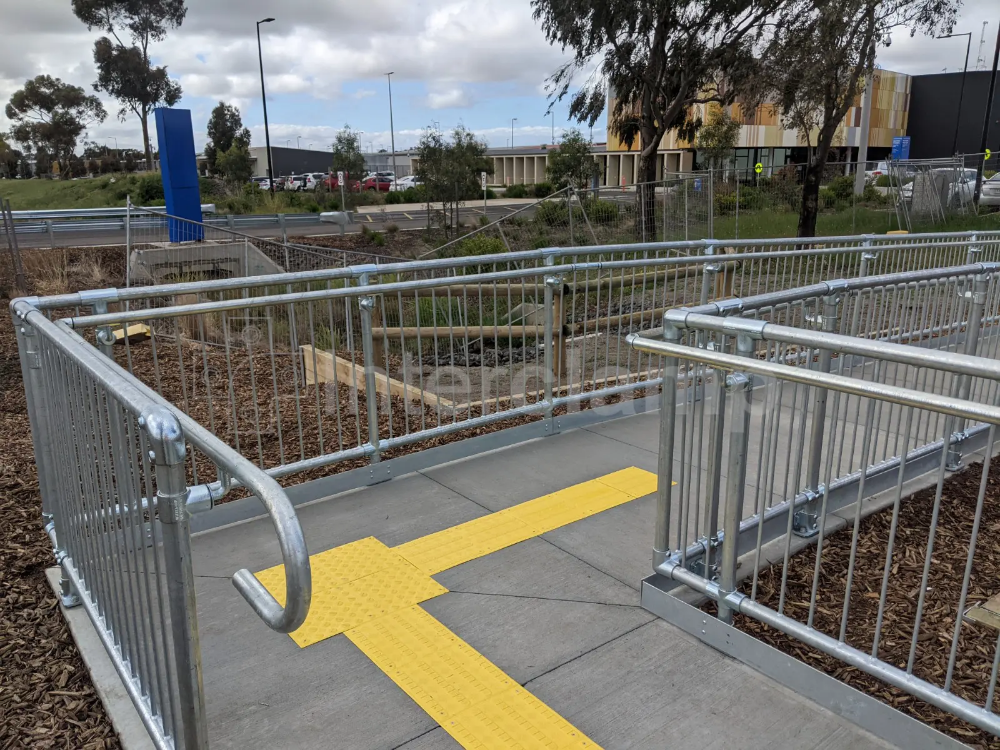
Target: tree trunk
{"type": "Point", "coordinates": [646, 194]}
{"type": "Point", "coordinates": [809, 210]}
{"type": "Point", "coordinates": [145, 140]}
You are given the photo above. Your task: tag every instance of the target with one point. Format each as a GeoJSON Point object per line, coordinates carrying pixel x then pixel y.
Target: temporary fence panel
{"type": "Point", "coordinates": [111, 460]}
{"type": "Point", "coordinates": [778, 412]}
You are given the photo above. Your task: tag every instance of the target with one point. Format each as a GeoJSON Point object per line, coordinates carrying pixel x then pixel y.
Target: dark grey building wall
{"type": "Point", "coordinates": [295, 161]}
{"type": "Point", "coordinates": [934, 112]}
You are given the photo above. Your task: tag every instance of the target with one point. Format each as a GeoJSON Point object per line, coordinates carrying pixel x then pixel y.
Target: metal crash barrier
{"type": "Point", "coordinates": [783, 409]}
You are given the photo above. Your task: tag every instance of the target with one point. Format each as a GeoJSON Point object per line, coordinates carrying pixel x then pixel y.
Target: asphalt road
{"type": "Point", "coordinates": [84, 237]}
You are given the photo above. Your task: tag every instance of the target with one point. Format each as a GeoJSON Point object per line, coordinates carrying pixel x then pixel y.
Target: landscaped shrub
{"type": "Point", "coordinates": [543, 189]}
{"type": "Point", "coordinates": [882, 181]}
{"type": "Point", "coordinates": [516, 191]}
{"type": "Point", "coordinates": [842, 187]}
{"type": "Point", "coordinates": [481, 244]}
{"type": "Point", "coordinates": [600, 211]}
{"type": "Point", "coordinates": [552, 213]}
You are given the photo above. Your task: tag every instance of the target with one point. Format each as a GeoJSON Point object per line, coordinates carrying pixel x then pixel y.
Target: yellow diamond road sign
{"type": "Point", "coordinates": [988, 154]}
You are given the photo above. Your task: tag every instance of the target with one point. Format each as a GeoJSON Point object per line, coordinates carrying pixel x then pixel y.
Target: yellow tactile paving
{"type": "Point", "coordinates": [468, 695]}
{"type": "Point", "coordinates": [354, 584]}
{"type": "Point", "coordinates": [468, 541]}
{"type": "Point", "coordinates": [370, 592]}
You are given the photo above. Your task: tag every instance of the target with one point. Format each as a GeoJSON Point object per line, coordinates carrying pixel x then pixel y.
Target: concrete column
{"type": "Point", "coordinates": [498, 170]}
{"type": "Point", "coordinates": [614, 169]}
{"type": "Point", "coordinates": [508, 170]}
{"type": "Point", "coordinates": [540, 164]}
{"type": "Point", "coordinates": [518, 170]}
{"type": "Point", "coordinates": [687, 161]}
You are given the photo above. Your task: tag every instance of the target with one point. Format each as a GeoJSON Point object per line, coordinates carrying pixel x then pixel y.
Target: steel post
{"type": "Point", "coordinates": [367, 306]}
{"type": "Point", "coordinates": [168, 453]}
{"type": "Point", "coordinates": [552, 283]}
{"type": "Point", "coordinates": [665, 459]}
{"type": "Point", "coordinates": [38, 412]}
{"type": "Point", "coordinates": [740, 385]}
{"type": "Point", "coordinates": [806, 520]}
{"type": "Point", "coordinates": [977, 308]}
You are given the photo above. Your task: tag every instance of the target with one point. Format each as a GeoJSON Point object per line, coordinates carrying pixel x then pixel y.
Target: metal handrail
{"type": "Point", "coordinates": [706, 250]}
{"type": "Point", "coordinates": [295, 556]}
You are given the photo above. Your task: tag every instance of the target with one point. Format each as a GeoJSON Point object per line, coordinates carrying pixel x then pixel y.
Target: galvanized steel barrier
{"type": "Point", "coordinates": [111, 465]}
{"type": "Point", "coordinates": [781, 409]}
{"type": "Point", "coordinates": [289, 374]}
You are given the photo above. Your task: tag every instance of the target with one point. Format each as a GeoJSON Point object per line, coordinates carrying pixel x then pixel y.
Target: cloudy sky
{"type": "Point", "coordinates": [477, 62]}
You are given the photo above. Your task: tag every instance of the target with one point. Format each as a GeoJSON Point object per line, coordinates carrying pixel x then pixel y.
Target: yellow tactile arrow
{"type": "Point", "coordinates": [370, 592]}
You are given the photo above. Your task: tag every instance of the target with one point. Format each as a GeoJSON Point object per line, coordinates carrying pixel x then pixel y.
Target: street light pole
{"type": "Point", "coordinates": [961, 91]}
{"type": "Point", "coordinates": [392, 129]}
{"type": "Point", "coordinates": [512, 121]}
{"type": "Point", "coordinates": [989, 114]}
{"type": "Point", "coordinates": [263, 99]}
{"type": "Point", "coordinates": [113, 138]}
{"type": "Point", "coordinates": [298, 141]}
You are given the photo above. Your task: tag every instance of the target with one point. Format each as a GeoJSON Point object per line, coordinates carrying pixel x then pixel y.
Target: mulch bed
{"type": "Point", "coordinates": [46, 696]}
{"type": "Point", "coordinates": [976, 644]}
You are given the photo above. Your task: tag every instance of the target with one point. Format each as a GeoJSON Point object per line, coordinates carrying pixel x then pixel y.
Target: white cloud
{"type": "Point", "coordinates": [455, 97]}
{"type": "Point", "coordinates": [363, 94]}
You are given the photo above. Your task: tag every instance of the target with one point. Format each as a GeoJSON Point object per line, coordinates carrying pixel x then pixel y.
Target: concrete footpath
{"type": "Point", "coordinates": [531, 629]}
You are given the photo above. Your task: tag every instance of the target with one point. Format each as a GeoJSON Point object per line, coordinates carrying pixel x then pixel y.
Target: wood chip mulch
{"type": "Point", "coordinates": [977, 643]}
{"type": "Point", "coordinates": [46, 696]}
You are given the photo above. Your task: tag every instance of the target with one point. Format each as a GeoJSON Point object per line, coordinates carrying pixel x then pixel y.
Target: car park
{"type": "Point", "coordinates": [404, 183]}
{"type": "Point", "coordinates": [961, 185]}
{"type": "Point", "coordinates": [378, 183]}
{"type": "Point", "coordinates": [295, 182]}
{"type": "Point", "coordinates": [990, 193]}
{"type": "Point", "coordinates": [351, 185]}
{"type": "Point", "coordinates": [279, 183]}
{"type": "Point", "coordinates": [262, 182]}
{"type": "Point", "coordinates": [313, 180]}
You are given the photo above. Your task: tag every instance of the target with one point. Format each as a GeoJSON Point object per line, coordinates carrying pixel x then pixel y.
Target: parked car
{"type": "Point", "coordinates": [313, 180]}
{"type": "Point", "coordinates": [990, 195]}
{"type": "Point", "coordinates": [882, 168]}
{"type": "Point", "coordinates": [404, 183]}
{"type": "Point", "coordinates": [351, 184]}
{"type": "Point", "coordinates": [279, 183]}
{"type": "Point", "coordinates": [262, 182]}
{"type": "Point", "coordinates": [379, 183]}
{"type": "Point", "coordinates": [295, 182]}
{"type": "Point", "coordinates": [961, 185]}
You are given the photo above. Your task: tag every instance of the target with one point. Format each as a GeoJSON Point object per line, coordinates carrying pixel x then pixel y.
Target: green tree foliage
{"type": "Point", "coordinates": [235, 165]}
{"type": "Point", "coordinates": [9, 158]}
{"type": "Point", "coordinates": [347, 155]}
{"type": "Point", "coordinates": [124, 66]}
{"type": "Point", "coordinates": [225, 129]}
{"type": "Point", "coordinates": [572, 163]}
{"type": "Point", "coordinates": [654, 59]}
{"type": "Point", "coordinates": [818, 60]}
{"type": "Point", "coordinates": [50, 116]}
{"type": "Point", "coordinates": [450, 169]}
{"type": "Point", "coordinates": [718, 137]}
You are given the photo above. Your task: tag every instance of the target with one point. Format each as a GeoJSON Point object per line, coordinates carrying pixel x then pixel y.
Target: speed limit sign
{"type": "Point", "coordinates": [482, 178]}
{"type": "Point", "coordinates": [340, 177]}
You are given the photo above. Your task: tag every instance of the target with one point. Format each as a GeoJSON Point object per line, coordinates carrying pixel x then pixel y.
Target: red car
{"type": "Point", "coordinates": [382, 184]}
{"type": "Point", "coordinates": [331, 183]}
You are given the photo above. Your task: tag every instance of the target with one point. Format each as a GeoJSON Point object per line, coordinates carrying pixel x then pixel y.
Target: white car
{"type": "Point", "coordinates": [990, 195]}
{"type": "Point", "coordinates": [313, 180]}
{"type": "Point", "coordinates": [404, 183]}
{"type": "Point", "coordinates": [961, 186]}
{"type": "Point", "coordinates": [262, 182]}
{"type": "Point", "coordinates": [295, 182]}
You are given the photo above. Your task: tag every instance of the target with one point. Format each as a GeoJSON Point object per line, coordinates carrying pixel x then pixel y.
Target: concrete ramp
{"type": "Point", "coordinates": [166, 262]}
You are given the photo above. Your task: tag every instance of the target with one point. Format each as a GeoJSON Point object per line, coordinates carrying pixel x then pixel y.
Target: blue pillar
{"type": "Point", "coordinates": [179, 169]}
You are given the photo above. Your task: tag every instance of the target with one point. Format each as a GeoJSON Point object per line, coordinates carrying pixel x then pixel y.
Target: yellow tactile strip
{"type": "Point", "coordinates": [370, 592]}
{"type": "Point", "coordinates": [468, 541]}
{"type": "Point", "coordinates": [469, 696]}
{"type": "Point", "coordinates": [352, 585]}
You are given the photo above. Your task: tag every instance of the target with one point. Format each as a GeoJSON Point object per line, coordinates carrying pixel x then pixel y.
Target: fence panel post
{"type": "Point", "coordinates": [665, 458]}
{"type": "Point", "coordinates": [284, 236]}
{"type": "Point", "coordinates": [548, 375]}
{"type": "Point", "coordinates": [367, 306]}
{"type": "Point", "coordinates": [977, 309]}
{"type": "Point", "coordinates": [168, 453]}
{"type": "Point", "coordinates": [805, 522]}
{"type": "Point", "coordinates": [740, 385]}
